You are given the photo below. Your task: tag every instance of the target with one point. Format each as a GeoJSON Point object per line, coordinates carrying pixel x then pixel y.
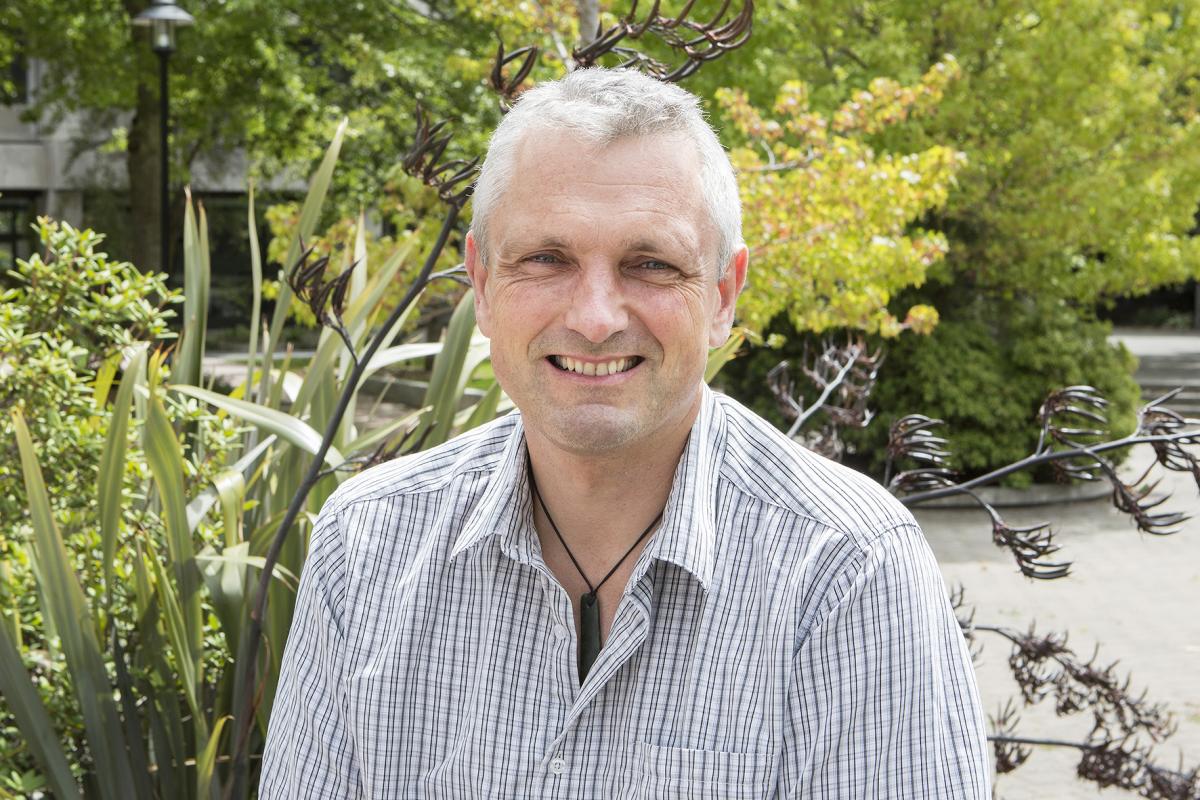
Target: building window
{"type": "Point", "coordinates": [17, 213]}
{"type": "Point", "coordinates": [14, 82]}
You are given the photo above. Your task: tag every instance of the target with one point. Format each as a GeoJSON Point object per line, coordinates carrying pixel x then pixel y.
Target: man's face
{"type": "Point", "coordinates": [601, 295]}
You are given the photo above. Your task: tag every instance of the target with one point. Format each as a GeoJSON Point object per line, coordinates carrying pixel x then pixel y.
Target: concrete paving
{"type": "Point", "coordinates": [1152, 342]}
{"type": "Point", "coordinates": [1136, 595]}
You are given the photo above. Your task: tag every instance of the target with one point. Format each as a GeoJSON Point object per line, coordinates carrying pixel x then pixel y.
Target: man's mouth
{"type": "Point", "coordinates": [601, 368]}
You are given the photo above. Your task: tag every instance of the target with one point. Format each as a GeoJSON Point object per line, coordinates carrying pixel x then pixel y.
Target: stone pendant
{"type": "Point", "coordinates": [589, 633]}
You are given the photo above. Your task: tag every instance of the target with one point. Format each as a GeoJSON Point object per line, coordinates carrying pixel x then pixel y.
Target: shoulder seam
{"type": "Point", "coordinates": [413, 491]}
{"type": "Point", "coordinates": [883, 526]}
{"type": "Point", "coordinates": [865, 549]}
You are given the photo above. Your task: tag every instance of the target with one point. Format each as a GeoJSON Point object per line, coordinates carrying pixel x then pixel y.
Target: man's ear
{"type": "Point", "coordinates": [729, 286]}
{"type": "Point", "coordinates": [478, 274]}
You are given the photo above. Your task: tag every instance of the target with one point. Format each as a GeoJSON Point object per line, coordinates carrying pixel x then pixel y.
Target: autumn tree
{"type": "Point", "coordinates": [829, 219]}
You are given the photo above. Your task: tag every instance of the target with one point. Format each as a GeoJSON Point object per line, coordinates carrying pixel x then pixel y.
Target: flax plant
{"type": "Point", "coordinates": [158, 692]}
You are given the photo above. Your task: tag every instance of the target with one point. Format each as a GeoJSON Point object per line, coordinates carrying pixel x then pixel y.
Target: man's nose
{"type": "Point", "coordinates": [597, 309]}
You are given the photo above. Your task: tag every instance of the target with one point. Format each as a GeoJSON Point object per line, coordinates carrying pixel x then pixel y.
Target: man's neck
{"type": "Point", "coordinates": [601, 502]}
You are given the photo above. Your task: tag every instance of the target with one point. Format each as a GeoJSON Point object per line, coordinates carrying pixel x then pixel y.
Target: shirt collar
{"type": "Point", "coordinates": [687, 536]}
{"type": "Point", "coordinates": [504, 510]}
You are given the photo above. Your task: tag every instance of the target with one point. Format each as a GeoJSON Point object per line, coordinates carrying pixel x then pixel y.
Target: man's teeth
{"type": "Point", "coordinates": [592, 368]}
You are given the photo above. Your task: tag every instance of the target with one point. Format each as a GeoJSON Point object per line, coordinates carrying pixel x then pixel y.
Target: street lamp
{"type": "Point", "coordinates": [163, 17]}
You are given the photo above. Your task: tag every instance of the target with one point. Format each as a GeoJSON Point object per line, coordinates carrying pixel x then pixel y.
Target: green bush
{"type": "Point", "coordinates": [68, 324]}
{"type": "Point", "coordinates": [128, 563]}
{"type": "Point", "coordinates": [69, 315]}
{"type": "Point", "coordinates": [65, 322]}
{"type": "Point", "coordinates": [985, 370]}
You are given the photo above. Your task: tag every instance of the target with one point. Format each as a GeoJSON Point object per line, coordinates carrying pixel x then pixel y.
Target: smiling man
{"type": "Point", "coordinates": [634, 587]}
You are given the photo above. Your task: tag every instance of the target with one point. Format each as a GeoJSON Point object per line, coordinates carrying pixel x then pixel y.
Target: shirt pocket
{"type": "Point", "coordinates": [675, 773]}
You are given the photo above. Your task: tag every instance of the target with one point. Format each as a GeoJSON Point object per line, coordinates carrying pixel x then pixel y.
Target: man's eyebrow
{"type": "Point", "coordinates": [533, 244]}
{"type": "Point", "coordinates": [641, 244]}
{"type": "Point", "coordinates": [668, 246]}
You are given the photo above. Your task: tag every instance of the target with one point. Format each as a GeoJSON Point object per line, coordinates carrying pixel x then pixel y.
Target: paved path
{"type": "Point", "coordinates": [1149, 342]}
{"type": "Point", "coordinates": [1136, 595]}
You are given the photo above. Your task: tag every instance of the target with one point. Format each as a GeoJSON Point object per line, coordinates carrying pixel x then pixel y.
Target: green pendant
{"type": "Point", "coordinates": [589, 634]}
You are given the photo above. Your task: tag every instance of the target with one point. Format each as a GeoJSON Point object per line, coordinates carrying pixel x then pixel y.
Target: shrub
{"type": "Point", "coordinates": [65, 322]}
{"type": "Point", "coordinates": [984, 371]}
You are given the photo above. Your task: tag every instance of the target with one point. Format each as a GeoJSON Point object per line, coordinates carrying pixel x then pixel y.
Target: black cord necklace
{"type": "Point", "coordinates": [589, 606]}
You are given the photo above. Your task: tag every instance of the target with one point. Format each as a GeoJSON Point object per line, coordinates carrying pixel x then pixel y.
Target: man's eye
{"type": "Point", "coordinates": [654, 266]}
{"type": "Point", "coordinates": [544, 258]}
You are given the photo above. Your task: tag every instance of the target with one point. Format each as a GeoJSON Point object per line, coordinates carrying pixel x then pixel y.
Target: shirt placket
{"type": "Point", "coordinates": [561, 762]}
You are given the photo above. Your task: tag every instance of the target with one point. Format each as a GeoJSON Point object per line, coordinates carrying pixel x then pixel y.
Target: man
{"type": "Point", "coordinates": [633, 588]}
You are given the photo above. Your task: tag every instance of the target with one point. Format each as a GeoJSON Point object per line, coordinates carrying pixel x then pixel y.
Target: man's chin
{"type": "Point", "coordinates": [590, 429]}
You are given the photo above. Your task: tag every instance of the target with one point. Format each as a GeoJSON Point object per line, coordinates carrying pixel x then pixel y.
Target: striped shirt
{"type": "Point", "coordinates": [785, 633]}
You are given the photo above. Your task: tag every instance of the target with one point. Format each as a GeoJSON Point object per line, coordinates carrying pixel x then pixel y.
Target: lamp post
{"type": "Point", "coordinates": [163, 17]}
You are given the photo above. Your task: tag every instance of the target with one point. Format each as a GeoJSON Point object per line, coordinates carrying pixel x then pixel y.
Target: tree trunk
{"type": "Point", "coordinates": [589, 20]}
{"type": "Point", "coordinates": [141, 162]}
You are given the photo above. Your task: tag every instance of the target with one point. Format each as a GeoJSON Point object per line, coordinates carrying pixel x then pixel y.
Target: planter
{"type": "Point", "coordinates": [1040, 494]}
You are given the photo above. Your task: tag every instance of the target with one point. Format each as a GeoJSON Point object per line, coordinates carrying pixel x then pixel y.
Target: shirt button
{"type": "Point", "coordinates": [560, 632]}
{"type": "Point", "coordinates": [558, 766]}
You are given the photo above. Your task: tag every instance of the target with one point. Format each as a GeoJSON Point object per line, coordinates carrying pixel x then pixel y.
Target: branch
{"type": "Point", "coordinates": [247, 655]}
{"type": "Point", "coordinates": [1045, 458]}
{"type": "Point", "coordinates": [711, 39]}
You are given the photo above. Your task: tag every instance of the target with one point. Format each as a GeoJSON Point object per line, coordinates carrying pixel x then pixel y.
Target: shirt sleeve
{"type": "Point", "coordinates": [884, 702]}
{"type": "Point", "coordinates": [309, 751]}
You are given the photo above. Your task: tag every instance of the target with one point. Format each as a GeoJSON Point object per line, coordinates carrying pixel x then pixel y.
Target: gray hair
{"type": "Point", "coordinates": [601, 106]}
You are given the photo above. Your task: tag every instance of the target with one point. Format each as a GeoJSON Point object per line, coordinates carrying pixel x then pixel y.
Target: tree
{"type": "Point", "coordinates": [273, 80]}
{"type": "Point", "coordinates": [828, 218]}
{"type": "Point", "coordinates": [1080, 128]}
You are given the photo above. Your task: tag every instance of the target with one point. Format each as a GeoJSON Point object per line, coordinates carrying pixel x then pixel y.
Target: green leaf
{"type": "Point", "coordinates": [255, 292]}
{"type": "Point", "coordinates": [68, 609]}
{"type": "Point", "coordinates": [358, 278]}
{"type": "Point", "coordinates": [310, 212]}
{"type": "Point", "coordinates": [718, 357]}
{"type": "Point", "coordinates": [452, 368]}
{"type": "Point", "coordinates": [104, 380]}
{"type": "Point", "coordinates": [24, 703]}
{"type": "Point", "coordinates": [285, 426]}
{"type": "Point", "coordinates": [358, 310]}
{"type": "Point", "coordinates": [165, 457]}
{"type": "Point", "coordinates": [238, 555]}
{"type": "Point", "coordinates": [177, 634]}
{"type": "Point", "coordinates": [399, 354]}
{"type": "Point", "coordinates": [131, 718]}
{"type": "Point", "coordinates": [195, 297]}
{"type": "Point", "coordinates": [202, 502]}
{"type": "Point", "coordinates": [485, 409]}
{"type": "Point", "coordinates": [373, 438]}
{"type": "Point", "coordinates": [207, 761]}
{"type": "Point", "coordinates": [231, 488]}
{"type": "Point", "coordinates": [111, 485]}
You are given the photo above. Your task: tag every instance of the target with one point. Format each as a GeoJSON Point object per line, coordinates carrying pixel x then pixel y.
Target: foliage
{"type": "Point", "coordinates": [984, 374]}
{"type": "Point", "coordinates": [189, 486]}
{"type": "Point", "coordinates": [827, 218]}
{"type": "Point", "coordinates": [409, 211]}
{"type": "Point", "coordinates": [1079, 122]}
{"type": "Point", "coordinates": [67, 326]}
{"type": "Point", "coordinates": [1080, 128]}
{"type": "Point", "coordinates": [263, 78]}
{"type": "Point", "coordinates": [981, 372]}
